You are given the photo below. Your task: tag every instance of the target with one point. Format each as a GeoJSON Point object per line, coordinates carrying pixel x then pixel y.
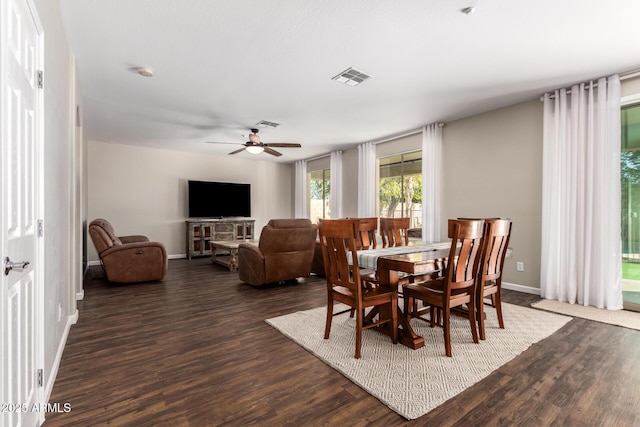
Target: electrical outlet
{"type": "Point", "coordinates": [520, 266]}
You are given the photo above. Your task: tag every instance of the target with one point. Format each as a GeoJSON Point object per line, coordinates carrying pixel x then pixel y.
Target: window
{"type": "Point", "coordinates": [320, 195]}
{"type": "Point", "coordinates": [400, 187]}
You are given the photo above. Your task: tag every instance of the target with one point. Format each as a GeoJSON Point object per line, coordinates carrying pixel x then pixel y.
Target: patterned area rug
{"type": "Point", "coordinates": [413, 382]}
{"type": "Point", "coordinates": [625, 318]}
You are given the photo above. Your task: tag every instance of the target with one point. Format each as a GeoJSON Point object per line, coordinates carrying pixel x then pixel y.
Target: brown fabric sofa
{"type": "Point", "coordinates": [284, 252]}
{"type": "Point", "coordinates": [127, 259]}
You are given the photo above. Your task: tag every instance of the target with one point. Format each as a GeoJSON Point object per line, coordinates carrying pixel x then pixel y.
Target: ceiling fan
{"type": "Point", "coordinates": [255, 146]}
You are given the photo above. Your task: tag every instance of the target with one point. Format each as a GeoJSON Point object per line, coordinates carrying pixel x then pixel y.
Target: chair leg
{"type": "Point", "coordinates": [446, 312]}
{"type": "Point", "coordinates": [408, 304]}
{"type": "Point", "coordinates": [480, 316]}
{"type": "Point", "coordinates": [472, 319]}
{"type": "Point", "coordinates": [359, 321]}
{"type": "Point", "coordinates": [327, 326]}
{"type": "Point", "coordinates": [498, 304]}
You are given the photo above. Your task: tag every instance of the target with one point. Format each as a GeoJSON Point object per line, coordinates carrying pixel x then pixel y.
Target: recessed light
{"type": "Point", "coordinates": [145, 71]}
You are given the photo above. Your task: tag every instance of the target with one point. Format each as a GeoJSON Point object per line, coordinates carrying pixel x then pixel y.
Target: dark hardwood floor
{"type": "Point", "coordinates": [195, 350]}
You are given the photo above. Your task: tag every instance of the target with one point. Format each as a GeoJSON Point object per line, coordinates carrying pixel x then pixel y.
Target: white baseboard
{"type": "Point", "coordinates": [521, 288]}
{"type": "Point", "coordinates": [80, 295]}
{"type": "Point", "coordinates": [173, 256]}
{"type": "Point", "coordinates": [58, 359]}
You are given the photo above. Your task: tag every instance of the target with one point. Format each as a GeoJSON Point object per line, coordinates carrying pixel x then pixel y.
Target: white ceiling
{"type": "Point", "coordinates": [221, 66]}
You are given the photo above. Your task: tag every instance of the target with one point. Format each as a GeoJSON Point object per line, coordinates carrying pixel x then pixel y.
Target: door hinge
{"type": "Point", "coordinates": [40, 228]}
{"type": "Point", "coordinates": [40, 380]}
{"type": "Point", "coordinates": [40, 79]}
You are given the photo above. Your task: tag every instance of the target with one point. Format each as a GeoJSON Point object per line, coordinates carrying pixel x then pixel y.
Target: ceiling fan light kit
{"type": "Point", "coordinates": [255, 149]}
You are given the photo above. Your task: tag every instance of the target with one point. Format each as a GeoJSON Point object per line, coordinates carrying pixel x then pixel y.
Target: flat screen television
{"type": "Point", "coordinates": [219, 199]}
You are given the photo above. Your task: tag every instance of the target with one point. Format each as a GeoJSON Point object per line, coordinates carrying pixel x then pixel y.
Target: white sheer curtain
{"type": "Point", "coordinates": [335, 184]}
{"type": "Point", "coordinates": [581, 243]}
{"type": "Point", "coordinates": [300, 190]}
{"type": "Point", "coordinates": [367, 180]}
{"type": "Point", "coordinates": [431, 179]}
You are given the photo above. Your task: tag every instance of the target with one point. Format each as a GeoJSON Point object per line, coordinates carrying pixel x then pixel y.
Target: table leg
{"type": "Point", "coordinates": [213, 253]}
{"type": "Point", "coordinates": [233, 259]}
{"type": "Point", "coordinates": [406, 334]}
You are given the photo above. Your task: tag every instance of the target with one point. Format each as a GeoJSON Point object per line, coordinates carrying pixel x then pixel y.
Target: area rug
{"type": "Point", "coordinates": [625, 318]}
{"type": "Point", "coordinates": [413, 382]}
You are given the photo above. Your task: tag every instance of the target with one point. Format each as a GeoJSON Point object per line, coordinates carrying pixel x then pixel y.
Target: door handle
{"type": "Point", "coordinates": [10, 265]}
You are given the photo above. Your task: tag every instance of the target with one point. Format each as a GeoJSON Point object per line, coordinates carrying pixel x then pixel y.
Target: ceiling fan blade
{"type": "Point", "coordinates": [237, 151]}
{"type": "Point", "coordinates": [283, 144]}
{"type": "Point", "coordinates": [272, 152]}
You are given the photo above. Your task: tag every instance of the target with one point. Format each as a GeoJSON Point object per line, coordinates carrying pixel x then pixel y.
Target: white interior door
{"type": "Point", "coordinates": [21, 282]}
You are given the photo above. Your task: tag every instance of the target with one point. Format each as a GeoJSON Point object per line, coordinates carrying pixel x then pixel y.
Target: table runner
{"type": "Point", "coordinates": [368, 258]}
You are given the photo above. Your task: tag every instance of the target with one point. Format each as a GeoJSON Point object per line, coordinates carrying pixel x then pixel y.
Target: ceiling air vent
{"type": "Point", "coordinates": [351, 77]}
{"type": "Point", "coordinates": [267, 124]}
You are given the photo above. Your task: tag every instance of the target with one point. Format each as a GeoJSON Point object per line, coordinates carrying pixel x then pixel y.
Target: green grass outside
{"type": "Point", "coordinates": [630, 271]}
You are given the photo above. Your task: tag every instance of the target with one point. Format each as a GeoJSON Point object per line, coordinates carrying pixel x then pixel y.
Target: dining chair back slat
{"type": "Point", "coordinates": [368, 228]}
{"type": "Point", "coordinates": [394, 231]}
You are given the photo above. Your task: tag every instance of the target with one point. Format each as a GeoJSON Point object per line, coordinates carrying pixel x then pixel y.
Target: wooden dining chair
{"type": "Point", "coordinates": [497, 233]}
{"type": "Point", "coordinates": [344, 284]}
{"type": "Point", "coordinates": [458, 284]}
{"type": "Point", "coordinates": [394, 231]}
{"type": "Point", "coordinates": [368, 228]}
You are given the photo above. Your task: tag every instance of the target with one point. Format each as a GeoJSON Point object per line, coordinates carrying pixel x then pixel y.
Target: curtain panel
{"type": "Point", "coordinates": [300, 190]}
{"type": "Point", "coordinates": [367, 180]}
{"type": "Point", "coordinates": [581, 259]}
{"type": "Point", "coordinates": [431, 181]}
{"type": "Point", "coordinates": [335, 184]}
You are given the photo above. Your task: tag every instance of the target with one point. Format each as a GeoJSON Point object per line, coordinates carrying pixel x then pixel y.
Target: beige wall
{"type": "Point", "coordinates": [492, 167]}
{"type": "Point", "coordinates": [144, 191]}
{"type": "Point", "coordinates": [630, 87]}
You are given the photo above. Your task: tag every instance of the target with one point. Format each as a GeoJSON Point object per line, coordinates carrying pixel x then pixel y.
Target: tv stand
{"type": "Point", "coordinates": [200, 231]}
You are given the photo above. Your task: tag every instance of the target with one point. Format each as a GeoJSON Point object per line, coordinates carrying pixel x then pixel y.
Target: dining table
{"type": "Point", "coordinates": [416, 260]}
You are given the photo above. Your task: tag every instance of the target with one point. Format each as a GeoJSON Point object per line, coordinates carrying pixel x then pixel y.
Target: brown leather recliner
{"type": "Point", "coordinates": [284, 252]}
{"type": "Point", "coordinates": [128, 259]}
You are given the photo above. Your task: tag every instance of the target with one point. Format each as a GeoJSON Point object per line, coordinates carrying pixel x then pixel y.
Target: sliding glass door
{"type": "Point", "coordinates": [630, 171]}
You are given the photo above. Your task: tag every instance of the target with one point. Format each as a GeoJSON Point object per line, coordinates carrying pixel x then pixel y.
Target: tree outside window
{"type": "Point", "coordinates": [400, 187]}
{"type": "Point", "coordinates": [320, 195]}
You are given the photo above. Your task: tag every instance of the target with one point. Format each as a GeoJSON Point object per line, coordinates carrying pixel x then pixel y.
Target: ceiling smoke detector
{"type": "Point", "coordinates": [351, 77]}
{"type": "Point", "coordinates": [145, 71]}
